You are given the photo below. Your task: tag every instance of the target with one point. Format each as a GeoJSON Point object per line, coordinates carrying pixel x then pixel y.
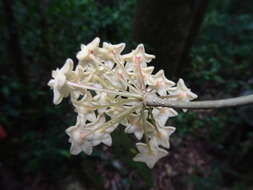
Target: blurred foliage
{"type": "Point", "coordinates": [50, 30]}
{"type": "Point", "coordinates": [222, 53]}
{"type": "Point", "coordinates": [222, 67]}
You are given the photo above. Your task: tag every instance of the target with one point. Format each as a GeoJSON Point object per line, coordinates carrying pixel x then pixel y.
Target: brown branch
{"type": "Point", "coordinates": [154, 100]}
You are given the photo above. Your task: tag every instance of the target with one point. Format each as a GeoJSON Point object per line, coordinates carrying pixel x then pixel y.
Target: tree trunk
{"type": "Point", "coordinates": [200, 8]}
{"type": "Point", "coordinates": [164, 27]}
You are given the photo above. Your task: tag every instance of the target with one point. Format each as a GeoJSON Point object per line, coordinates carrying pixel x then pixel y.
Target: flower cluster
{"type": "Point", "coordinates": [107, 90]}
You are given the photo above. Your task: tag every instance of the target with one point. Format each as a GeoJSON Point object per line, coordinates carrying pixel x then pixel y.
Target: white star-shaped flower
{"type": "Point", "coordinates": [146, 73]}
{"type": "Point", "coordinates": [87, 50]}
{"type": "Point", "coordinates": [114, 111]}
{"type": "Point", "coordinates": [182, 92]}
{"type": "Point", "coordinates": [162, 136]}
{"type": "Point", "coordinates": [139, 55]}
{"type": "Point", "coordinates": [58, 83]}
{"type": "Point", "coordinates": [160, 83]}
{"type": "Point", "coordinates": [136, 125]}
{"type": "Point", "coordinates": [111, 52]}
{"type": "Point", "coordinates": [78, 139]}
{"type": "Point", "coordinates": [161, 114]}
{"type": "Point", "coordinates": [100, 135]}
{"type": "Point", "coordinates": [149, 154]}
{"type": "Point", "coordinates": [114, 79]}
{"type": "Point", "coordinates": [80, 75]}
{"type": "Point", "coordinates": [85, 108]}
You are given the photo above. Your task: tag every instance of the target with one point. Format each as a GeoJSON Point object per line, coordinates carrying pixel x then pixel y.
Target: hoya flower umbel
{"type": "Point", "coordinates": [107, 90]}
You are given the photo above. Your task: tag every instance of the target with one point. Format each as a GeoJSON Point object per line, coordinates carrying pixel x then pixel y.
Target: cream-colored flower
{"type": "Point", "coordinates": [161, 114]}
{"type": "Point", "coordinates": [78, 139]}
{"type": "Point", "coordinates": [79, 75]}
{"type": "Point", "coordinates": [121, 72]}
{"type": "Point", "coordinates": [182, 93]}
{"type": "Point", "coordinates": [162, 135]}
{"type": "Point", "coordinates": [59, 81]}
{"type": "Point", "coordinates": [100, 135]}
{"type": "Point", "coordinates": [140, 54]}
{"type": "Point", "coordinates": [149, 154]}
{"type": "Point", "coordinates": [87, 51]}
{"type": "Point", "coordinates": [160, 83]}
{"type": "Point", "coordinates": [111, 52]}
{"type": "Point", "coordinates": [146, 74]}
{"type": "Point", "coordinates": [114, 111]}
{"type": "Point", "coordinates": [136, 125]}
{"type": "Point", "coordinates": [85, 108]}
{"type": "Point", "coordinates": [115, 81]}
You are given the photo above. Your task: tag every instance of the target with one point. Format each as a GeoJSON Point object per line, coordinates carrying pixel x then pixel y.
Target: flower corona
{"type": "Point", "coordinates": [107, 90]}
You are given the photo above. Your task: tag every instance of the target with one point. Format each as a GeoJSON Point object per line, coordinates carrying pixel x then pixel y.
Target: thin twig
{"type": "Point", "coordinates": [154, 100]}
